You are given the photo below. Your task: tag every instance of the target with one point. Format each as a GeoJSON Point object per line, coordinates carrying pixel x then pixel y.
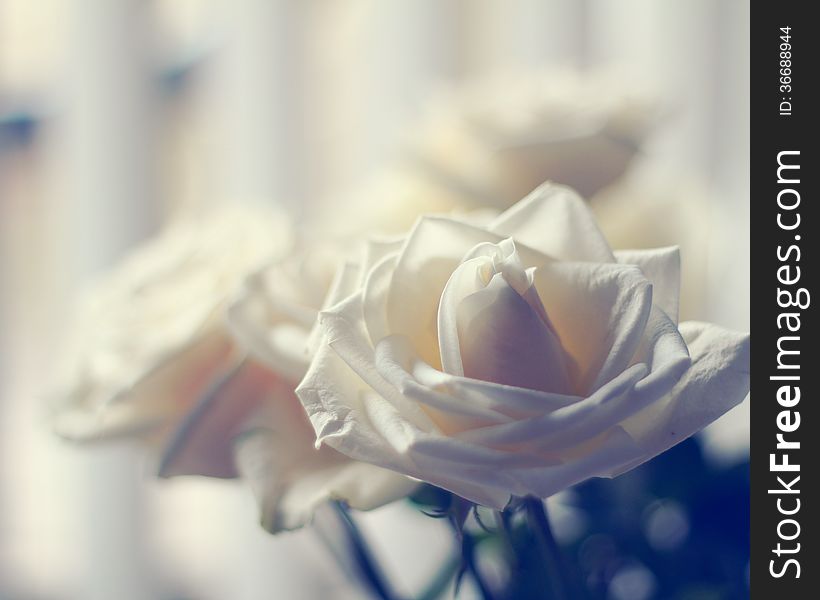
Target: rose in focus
{"type": "Point", "coordinates": [518, 358]}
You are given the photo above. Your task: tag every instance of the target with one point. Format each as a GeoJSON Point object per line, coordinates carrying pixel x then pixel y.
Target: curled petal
{"type": "Point", "coordinates": [374, 298]}
{"type": "Point", "coordinates": [661, 266]}
{"type": "Point", "coordinates": [375, 250]}
{"type": "Point", "coordinates": [616, 450]}
{"type": "Point", "coordinates": [433, 250]}
{"type": "Point", "coordinates": [569, 426]}
{"type": "Point", "coordinates": [504, 340]}
{"type": "Point", "coordinates": [270, 328]}
{"type": "Point", "coordinates": [717, 380]}
{"type": "Point", "coordinates": [456, 397]}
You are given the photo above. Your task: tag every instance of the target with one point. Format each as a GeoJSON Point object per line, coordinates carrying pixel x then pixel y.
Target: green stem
{"type": "Point", "coordinates": [502, 521]}
{"type": "Point", "coordinates": [539, 524]}
{"type": "Point", "coordinates": [368, 568]}
{"type": "Point", "coordinates": [468, 554]}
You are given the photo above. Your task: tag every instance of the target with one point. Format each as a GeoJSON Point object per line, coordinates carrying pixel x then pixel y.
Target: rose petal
{"type": "Point", "coordinates": [502, 339]}
{"type": "Point", "coordinates": [661, 266]}
{"type": "Point", "coordinates": [202, 442]}
{"type": "Point", "coordinates": [599, 312]}
{"type": "Point", "coordinates": [270, 322]}
{"type": "Point", "coordinates": [375, 290]}
{"type": "Point", "coordinates": [394, 360]}
{"type": "Point", "coordinates": [617, 449]}
{"type": "Point", "coordinates": [465, 402]}
{"type": "Point", "coordinates": [567, 426]}
{"type": "Point", "coordinates": [281, 344]}
{"type": "Point", "coordinates": [717, 380]}
{"type": "Point", "coordinates": [160, 395]}
{"type": "Point", "coordinates": [489, 306]}
{"type": "Point", "coordinates": [554, 220]}
{"type": "Point", "coordinates": [432, 252]}
{"type": "Point", "coordinates": [341, 371]}
{"type": "Point", "coordinates": [375, 250]}
{"type": "Point", "coordinates": [345, 283]}
{"type": "Point", "coordinates": [290, 484]}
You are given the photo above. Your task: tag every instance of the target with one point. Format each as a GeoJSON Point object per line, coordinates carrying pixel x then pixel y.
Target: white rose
{"type": "Point", "coordinates": [494, 140]}
{"type": "Point", "coordinates": [517, 359]}
{"type": "Point", "coordinates": [150, 335]}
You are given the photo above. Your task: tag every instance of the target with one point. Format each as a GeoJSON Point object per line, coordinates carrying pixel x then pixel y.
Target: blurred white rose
{"type": "Point", "coordinates": [518, 358]}
{"type": "Point", "coordinates": [149, 337]}
{"type": "Point", "coordinates": [156, 359]}
{"type": "Point", "coordinates": [489, 142]}
{"type": "Point", "coordinates": [493, 140]}
{"type": "Point", "coordinates": [651, 208]}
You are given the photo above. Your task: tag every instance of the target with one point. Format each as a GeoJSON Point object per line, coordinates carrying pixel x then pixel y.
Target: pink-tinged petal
{"type": "Point", "coordinates": [514, 402]}
{"type": "Point", "coordinates": [599, 312]}
{"type": "Point", "coordinates": [716, 381]}
{"type": "Point", "coordinates": [503, 340]}
{"type": "Point", "coordinates": [396, 361]}
{"type": "Point", "coordinates": [554, 220]}
{"type": "Point", "coordinates": [661, 266]}
{"type": "Point", "coordinates": [458, 403]}
{"type": "Point", "coordinates": [492, 325]}
{"type": "Point", "coordinates": [203, 442]}
{"type": "Point", "coordinates": [659, 363]}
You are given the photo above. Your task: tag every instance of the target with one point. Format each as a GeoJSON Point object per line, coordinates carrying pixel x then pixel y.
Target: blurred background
{"type": "Point", "coordinates": [117, 114]}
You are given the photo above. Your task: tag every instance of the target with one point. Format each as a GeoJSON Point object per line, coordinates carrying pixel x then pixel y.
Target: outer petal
{"type": "Point", "coordinates": [274, 311]}
{"type": "Point", "coordinates": [383, 428]}
{"type": "Point", "coordinates": [717, 381]}
{"type": "Point", "coordinates": [270, 327]}
{"type": "Point", "coordinates": [661, 266]}
{"type": "Point", "coordinates": [374, 252]}
{"type": "Point", "coordinates": [615, 450]}
{"type": "Point", "coordinates": [289, 485]}
{"type": "Point", "coordinates": [554, 220]}
{"type": "Point", "coordinates": [336, 385]}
